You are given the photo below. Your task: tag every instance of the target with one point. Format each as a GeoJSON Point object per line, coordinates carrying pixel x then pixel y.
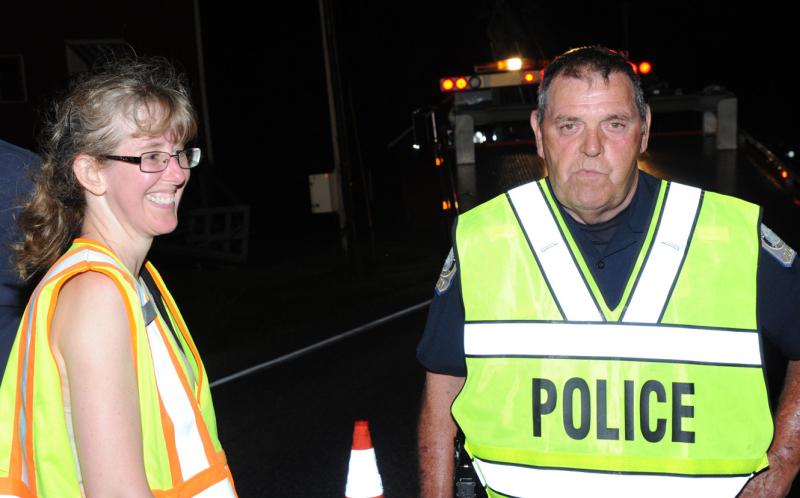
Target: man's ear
{"type": "Point", "coordinates": [537, 132]}
{"type": "Point", "coordinates": [87, 172]}
{"type": "Point", "coordinates": [645, 129]}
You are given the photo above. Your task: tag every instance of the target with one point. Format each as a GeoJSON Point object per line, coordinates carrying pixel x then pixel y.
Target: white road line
{"type": "Point", "coordinates": [319, 345]}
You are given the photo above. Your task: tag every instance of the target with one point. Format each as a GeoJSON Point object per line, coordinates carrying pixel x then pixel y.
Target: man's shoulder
{"type": "Point", "coordinates": [10, 153]}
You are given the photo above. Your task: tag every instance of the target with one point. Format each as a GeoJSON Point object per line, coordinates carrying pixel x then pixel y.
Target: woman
{"type": "Point", "coordinates": [104, 393]}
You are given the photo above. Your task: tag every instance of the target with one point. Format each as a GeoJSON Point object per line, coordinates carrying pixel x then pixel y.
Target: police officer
{"type": "Point", "coordinates": [607, 344]}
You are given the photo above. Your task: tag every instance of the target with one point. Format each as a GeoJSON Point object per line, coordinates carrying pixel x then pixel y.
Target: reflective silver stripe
{"type": "Point", "coordinates": [222, 489]}
{"type": "Point", "coordinates": [23, 382]}
{"type": "Point", "coordinates": [666, 254]}
{"type": "Point", "coordinates": [147, 298]}
{"type": "Point", "coordinates": [535, 482]}
{"type": "Point", "coordinates": [553, 253]}
{"type": "Point", "coordinates": [84, 255]}
{"type": "Point", "coordinates": [188, 442]}
{"type": "Point", "coordinates": [613, 340]}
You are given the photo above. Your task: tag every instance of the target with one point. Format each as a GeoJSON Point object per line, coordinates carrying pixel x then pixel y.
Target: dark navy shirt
{"type": "Point", "coordinates": [16, 166]}
{"type": "Point", "coordinates": [441, 348]}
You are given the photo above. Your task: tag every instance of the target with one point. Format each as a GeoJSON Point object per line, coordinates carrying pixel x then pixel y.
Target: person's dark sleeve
{"type": "Point", "coordinates": [441, 349]}
{"type": "Point", "coordinates": [16, 165]}
{"type": "Point", "coordinates": [779, 304]}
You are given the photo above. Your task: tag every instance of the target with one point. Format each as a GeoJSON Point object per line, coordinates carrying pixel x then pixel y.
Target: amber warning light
{"type": "Point", "coordinates": [645, 67]}
{"type": "Point", "coordinates": [458, 83]}
{"type": "Point", "coordinates": [510, 78]}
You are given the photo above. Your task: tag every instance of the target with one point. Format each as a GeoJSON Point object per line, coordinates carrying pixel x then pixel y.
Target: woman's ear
{"type": "Point", "coordinates": [87, 172]}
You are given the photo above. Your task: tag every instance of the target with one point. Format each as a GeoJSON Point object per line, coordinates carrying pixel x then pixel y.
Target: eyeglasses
{"type": "Point", "coordinates": [156, 162]}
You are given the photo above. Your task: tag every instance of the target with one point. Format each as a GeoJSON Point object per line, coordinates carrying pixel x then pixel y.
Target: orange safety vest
{"type": "Point", "coordinates": [182, 453]}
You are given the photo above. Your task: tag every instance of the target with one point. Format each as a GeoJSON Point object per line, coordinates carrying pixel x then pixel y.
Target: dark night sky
{"type": "Point", "coordinates": [266, 77]}
{"type": "Point", "coordinates": [266, 85]}
{"type": "Point", "coordinates": [266, 71]}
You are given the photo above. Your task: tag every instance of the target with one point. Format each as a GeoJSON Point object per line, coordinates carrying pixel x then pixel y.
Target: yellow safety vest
{"type": "Point", "coordinates": [182, 453]}
{"type": "Point", "coordinates": [564, 396]}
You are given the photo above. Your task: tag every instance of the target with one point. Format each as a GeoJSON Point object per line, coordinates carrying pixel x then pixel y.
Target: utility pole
{"type": "Point", "coordinates": [201, 69]}
{"type": "Point", "coordinates": [341, 173]}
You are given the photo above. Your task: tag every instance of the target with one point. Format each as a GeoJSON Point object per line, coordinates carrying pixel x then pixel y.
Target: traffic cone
{"type": "Point", "coordinates": [363, 478]}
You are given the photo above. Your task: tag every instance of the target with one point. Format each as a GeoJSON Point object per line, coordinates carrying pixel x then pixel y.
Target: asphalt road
{"type": "Point", "coordinates": [288, 430]}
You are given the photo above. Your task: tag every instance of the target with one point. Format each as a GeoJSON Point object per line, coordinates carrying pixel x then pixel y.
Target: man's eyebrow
{"type": "Point", "coordinates": [562, 118]}
{"type": "Point", "coordinates": [618, 117]}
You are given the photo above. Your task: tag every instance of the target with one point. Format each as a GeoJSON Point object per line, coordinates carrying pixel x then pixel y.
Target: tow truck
{"type": "Point", "coordinates": [485, 145]}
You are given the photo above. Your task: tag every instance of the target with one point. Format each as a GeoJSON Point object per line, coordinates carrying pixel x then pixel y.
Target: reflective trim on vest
{"type": "Point", "coordinates": [570, 290]}
{"type": "Point", "coordinates": [666, 255]}
{"type": "Point", "coordinates": [189, 444]}
{"type": "Point", "coordinates": [522, 481]}
{"type": "Point", "coordinates": [192, 451]}
{"type": "Point", "coordinates": [553, 254]}
{"type": "Point", "coordinates": [610, 340]}
{"type": "Point", "coordinates": [218, 490]}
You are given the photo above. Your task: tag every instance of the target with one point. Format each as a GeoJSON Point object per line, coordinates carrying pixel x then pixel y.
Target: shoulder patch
{"type": "Point", "coordinates": [448, 272]}
{"type": "Point", "coordinates": [776, 247]}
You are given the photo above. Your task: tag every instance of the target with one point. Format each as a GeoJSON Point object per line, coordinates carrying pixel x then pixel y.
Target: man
{"type": "Point", "coordinates": [16, 166]}
{"type": "Point", "coordinates": [609, 322]}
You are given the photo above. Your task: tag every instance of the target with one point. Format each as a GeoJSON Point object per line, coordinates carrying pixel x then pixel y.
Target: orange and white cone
{"type": "Point", "coordinates": [363, 478]}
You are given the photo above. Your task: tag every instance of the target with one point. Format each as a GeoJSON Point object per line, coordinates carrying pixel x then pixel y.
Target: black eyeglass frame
{"type": "Point", "coordinates": [138, 159]}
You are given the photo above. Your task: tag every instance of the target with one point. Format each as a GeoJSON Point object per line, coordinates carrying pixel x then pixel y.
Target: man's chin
{"type": "Point", "coordinates": [593, 210]}
{"type": "Point", "coordinates": [593, 201]}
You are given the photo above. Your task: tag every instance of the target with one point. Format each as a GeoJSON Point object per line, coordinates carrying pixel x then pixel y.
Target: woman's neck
{"type": "Point", "coordinates": [132, 251]}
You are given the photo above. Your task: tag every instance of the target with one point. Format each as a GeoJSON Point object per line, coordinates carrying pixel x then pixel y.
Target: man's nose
{"type": "Point", "coordinates": [592, 144]}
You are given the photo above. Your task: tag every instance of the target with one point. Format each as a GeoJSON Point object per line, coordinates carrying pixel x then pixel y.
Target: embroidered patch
{"type": "Point", "coordinates": [776, 247]}
{"type": "Point", "coordinates": [448, 272]}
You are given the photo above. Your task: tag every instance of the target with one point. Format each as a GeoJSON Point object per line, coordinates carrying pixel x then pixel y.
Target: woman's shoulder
{"type": "Point", "coordinates": [91, 293]}
{"type": "Point", "coordinates": [94, 284]}
{"type": "Point", "coordinates": [90, 312]}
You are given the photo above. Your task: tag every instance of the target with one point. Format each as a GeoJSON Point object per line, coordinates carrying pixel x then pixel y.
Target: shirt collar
{"type": "Point", "coordinates": [641, 208]}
